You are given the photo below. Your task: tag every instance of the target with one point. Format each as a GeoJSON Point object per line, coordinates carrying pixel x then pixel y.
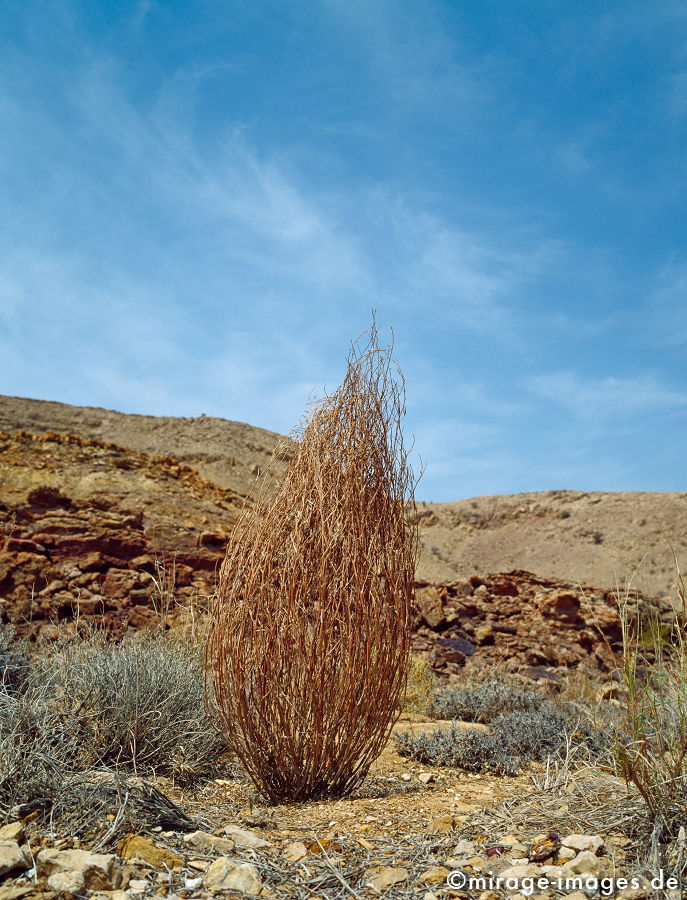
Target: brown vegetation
{"type": "Point", "coordinates": [309, 653]}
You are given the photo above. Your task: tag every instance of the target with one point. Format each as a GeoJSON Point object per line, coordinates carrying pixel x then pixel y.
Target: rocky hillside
{"type": "Point", "coordinates": [584, 537]}
{"type": "Point", "coordinates": [108, 517]}
{"type": "Point", "coordinates": [227, 453]}
{"type": "Point", "coordinates": [587, 537]}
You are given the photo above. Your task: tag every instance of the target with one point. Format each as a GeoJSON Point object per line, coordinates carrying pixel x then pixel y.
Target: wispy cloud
{"type": "Point", "coordinates": [609, 399]}
{"type": "Point", "coordinates": [173, 242]}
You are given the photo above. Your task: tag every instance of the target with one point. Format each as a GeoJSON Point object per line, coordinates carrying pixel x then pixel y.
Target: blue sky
{"type": "Point", "coordinates": [201, 203]}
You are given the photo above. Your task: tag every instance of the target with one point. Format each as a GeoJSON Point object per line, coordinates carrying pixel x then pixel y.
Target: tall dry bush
{"type": "Point", "coordinates": [308, 656]}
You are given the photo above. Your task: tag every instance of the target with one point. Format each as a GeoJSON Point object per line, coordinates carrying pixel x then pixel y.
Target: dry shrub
{"type": "Point", "coordinates": [308, 657]}
{"type": "Point", "coordinates": [651, 743]}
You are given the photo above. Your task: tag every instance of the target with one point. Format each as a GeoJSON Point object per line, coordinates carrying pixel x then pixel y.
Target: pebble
{"type": "Point", "coordinates": [585, 863]}
{"type": "Point", "coordinates": [381, 877]}
{"type": "Point", "coordinates": [581, 842]}
{"type": "Point", "coordinates": [226, 874]}
{"type": "Point", "coordinates": [434, 875]}
{"type": "Point", "coordinates": [12, 832]}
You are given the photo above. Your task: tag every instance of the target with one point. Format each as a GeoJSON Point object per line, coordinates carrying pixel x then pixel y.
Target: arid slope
{"type": "Point", "coordinates": [598, 537]}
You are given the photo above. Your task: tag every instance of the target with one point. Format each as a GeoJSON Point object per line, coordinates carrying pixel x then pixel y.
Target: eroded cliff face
{"type": "Point", "coordinates": [93, 530]}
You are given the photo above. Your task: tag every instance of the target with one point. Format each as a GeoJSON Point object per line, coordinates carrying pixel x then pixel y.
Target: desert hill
{"type": "Point", "coordinates": [586, 537]}
{"type": "Point", "coordinates": [228, 453]}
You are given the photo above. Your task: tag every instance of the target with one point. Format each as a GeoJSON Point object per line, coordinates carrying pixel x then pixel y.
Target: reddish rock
{"type": "Point", "coordinates": [429, 602]}
{"type": "Point", "coordinates": [48, 498]}
{"type": "Point", "coordinates": [562, 605]}
{"type": "Point", "coordinates": [504, 588]}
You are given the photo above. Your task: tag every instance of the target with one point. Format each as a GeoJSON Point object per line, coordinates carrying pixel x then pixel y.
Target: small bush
{"type": "Point", "coordinates": [137, 705]}
{"type": "Point", "coordinates": [484, 702]}
{"type": "Point", "coordinates": [461, 748]}
{"type": "Point", "coordinates": [514, 739]}
{"type": "Point", "coordinates": [134, 707]}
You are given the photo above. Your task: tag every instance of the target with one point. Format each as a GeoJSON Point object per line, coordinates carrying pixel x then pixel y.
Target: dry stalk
{"type": "Point", "coordinates": [308, 656]}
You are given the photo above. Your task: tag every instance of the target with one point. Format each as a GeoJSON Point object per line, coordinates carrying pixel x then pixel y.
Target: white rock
{"type": "Point", "coordinates": [233, 876]}
{"type": "Point", "coordinates": [243, 838]}
{"type": "Point", "coordinates": [206, 842]}
{"type": "Point", "coordinates": [295, 851]}
{"type": "Point", "coordinates": [464, 848]}
{"type": "Point", "coordinates": [566, 853]}
{"type": "Point", "coordinates": [100, 871]}
{"type": "Point", "coordinates": [636, 893]}
{"type": "Point", "coordinates": [528, 870]}
{"type": "Point", "coordinates": [192, 883]}
{"type": "Point", "coordinates": [585, 863]}
{"type": "Point", "coordinates": [66, 883]}
{"type": "Point", "coordinates": [12, 832]}
{"type": "Point", "coordinates": [12, 857]}
{"type": "Point", "coordinates": [580, 842]}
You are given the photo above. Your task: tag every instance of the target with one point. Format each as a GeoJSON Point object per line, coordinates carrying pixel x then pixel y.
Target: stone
{"type": "Point", "coordinates": [381, 877]}
{"type": "Point", "coordinates": [66, 883]}
{"type": "Point", "coordinates": [12, 858]}
{"type": "Point", "coordinates": [566, 853]}
{"type": "Point", "coordinates": [464, 848]}
{"type": "Point", "coordinates": [434, 875]}
{"type": "Point", "coordinates": [296, 850]}
{"type": "Point", "coordinates": [641, 892]}
{"type": "Point", "coordinates": [100, 871]}
{"type": "Point", "coordinates": [228, 874]}
{"type": "Point", "coordinates": [134, 846]}
{"type": "Point", "coordinates": [425, 777]}
{"type": "Point", "coordinates": [430, 606]}
{"type": "Point", "coordinates": [207, 843]}
{"type": "Point", "coordinates": [441, 824]}
{"type": "Point", "coordinates": [18, 891]}
{"type": "Point", "coordinates": [525, 870]}
{"type": "Point", "coordinates": [562, 605]}
{"type": "Point", "coordinates": [585, 863]}
{"type": "Point", "coordinates": [244, 838]}
{"type": "Point", "coordinates": [12, 832]}
{"type": "Point", "coordinates": [580, 842]}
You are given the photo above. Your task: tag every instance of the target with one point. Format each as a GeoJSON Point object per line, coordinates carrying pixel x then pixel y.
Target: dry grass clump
{"type": "Point", "coordinates": [308, 658]}
{"type": "Point", "coordinates": [651, 743]}
{"type": "Point", "coordinates": [14, 659]}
